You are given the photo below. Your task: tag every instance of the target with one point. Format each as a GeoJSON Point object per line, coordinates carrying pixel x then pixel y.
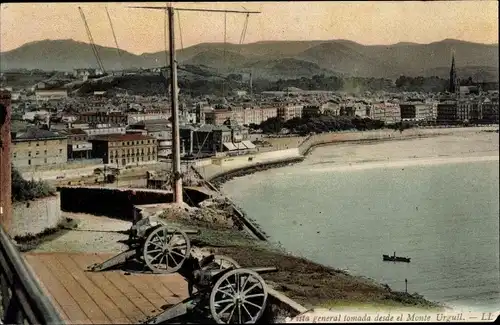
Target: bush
{"type": "Point", "coordinates": [23, 190]}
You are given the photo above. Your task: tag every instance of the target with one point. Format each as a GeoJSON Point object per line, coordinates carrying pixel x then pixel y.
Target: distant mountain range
{"type": "Point", "coordinates": [276, 59]}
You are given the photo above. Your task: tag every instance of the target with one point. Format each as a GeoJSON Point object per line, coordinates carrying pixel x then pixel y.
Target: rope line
{"type": "Point", "coordinates": [224, 54]}
{"type": "Point", "coordinates": [180, 30]}
{"type": "Point", "coordinates": [165, 37]}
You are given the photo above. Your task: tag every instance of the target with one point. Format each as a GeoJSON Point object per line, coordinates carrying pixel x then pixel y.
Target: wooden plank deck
{"type": "Point", "coordinates": [109, 297]}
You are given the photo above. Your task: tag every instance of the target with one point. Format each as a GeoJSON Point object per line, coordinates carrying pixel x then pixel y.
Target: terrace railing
{"type": "Point", "coordinates": [22, 301]}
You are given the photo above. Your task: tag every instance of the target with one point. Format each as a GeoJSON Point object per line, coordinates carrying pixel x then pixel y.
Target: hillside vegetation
{"type": "Point", "coordinates": [194, 85]}
{"type": "Point", "coordinates": [275, 59]}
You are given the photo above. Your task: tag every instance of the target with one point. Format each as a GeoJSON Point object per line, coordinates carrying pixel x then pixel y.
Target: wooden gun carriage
{"type": "Point", "coordinates": [219, 289]}
{"type": "Point", "coordinates": [161, 249]}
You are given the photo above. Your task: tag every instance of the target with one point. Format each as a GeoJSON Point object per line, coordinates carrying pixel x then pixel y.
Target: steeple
{"type": "Point", "coordinates": [453, 86]}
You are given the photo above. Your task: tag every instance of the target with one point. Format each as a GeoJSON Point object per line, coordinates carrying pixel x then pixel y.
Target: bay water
{"type": "Point", "coordinates": [444, 216]}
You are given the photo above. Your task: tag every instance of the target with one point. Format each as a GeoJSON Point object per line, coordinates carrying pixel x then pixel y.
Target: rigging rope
{"type": "Point", "coordinates": [224, 53]}
{"type": "Point", "coordinates": [180, 30]}
{"type": "Point", "coordinates": [165, 37]}
{"type": "Point", "coordinates": [114, 37]}
{"type": "Point", "coordinates": [244, 31]}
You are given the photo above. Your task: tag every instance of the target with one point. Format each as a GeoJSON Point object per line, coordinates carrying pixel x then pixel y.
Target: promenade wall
{"type": "Point", "coordinates": [117, 202]}
{"type": "Point", "coordinates": [33, 217]}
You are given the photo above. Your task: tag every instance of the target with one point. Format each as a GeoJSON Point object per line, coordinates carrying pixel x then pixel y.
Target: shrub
{"type": "Point", "coordinates": [23, 190]}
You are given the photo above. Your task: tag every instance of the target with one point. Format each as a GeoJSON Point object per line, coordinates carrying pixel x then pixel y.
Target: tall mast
{"type": "Point", "coordinates": [176, 159]}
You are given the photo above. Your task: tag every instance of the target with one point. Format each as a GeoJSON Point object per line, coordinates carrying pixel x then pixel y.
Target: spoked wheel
{"type": "Point", "coordinates": [166, 250]}
{"type": "Point", "coordinates": [221, 262]}
{"type": "Point", "coordinates": [238, 297]}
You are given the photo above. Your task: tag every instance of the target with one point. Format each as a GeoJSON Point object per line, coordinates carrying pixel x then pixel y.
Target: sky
{"type": "Point", "coordinates": [142, 31]}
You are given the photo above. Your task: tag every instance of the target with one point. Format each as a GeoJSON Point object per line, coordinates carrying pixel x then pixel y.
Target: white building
{"type": "Point", "coordinates": [50, 94]}
{"type": "Point", "coordinates": [30, 116]}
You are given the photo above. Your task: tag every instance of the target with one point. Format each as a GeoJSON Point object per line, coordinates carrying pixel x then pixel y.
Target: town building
{"type": "Point", "coordinates": [206, 139]}
{"type": "Point", "coordinates": [384, 111]}
{"type": "Point", "coordinates": [212, 139]}
{"type": "Point", "coordinates": [469, 110]}
{"type": "Point", "coordinates": [37, 147]}
{"type": "Point", "coordinates": [416, 111]}
{"type": "Point", "coordinates": [50, 94]}
{"type": "Point", "coordinates": [124, 149]}
{"type": "Point", "coordinates": [161, 130]}
{"type": "Point", "coordinates": [331, 107]}
{"type": "Point", "coordinates": [257, 115]}
{"type": "Point", "coordinates": [433, 104]}
{"type": "Point", "coordinates": [148, 115]}
{"type": "Point", "coordinates": [78, 145]}
{"type": "Point", "coordinates": [489, 108]}
{"type": "Point", "coordinates": [289, 111]}
{"type": "Point", "coordinates": [219, 116]}
{"type": "Point", "coordinates": [200, 110]}
{"type": "Point", "coordinates": [312, 110]}
{"type": "Point", "coordinates": [104, 117]}
{"type": "Point", "coordinates": [239, 93]}
{"type": "Point", "coordinates": [87, 73]}
{"type": "Point", "coordinates": [353, 109]}
{"type": "Point", "coordinates": [447, 111]}
{"type": "Point", "coordinates": [35, 115]}
{"type": "Point", "coordinates": [465, 91]}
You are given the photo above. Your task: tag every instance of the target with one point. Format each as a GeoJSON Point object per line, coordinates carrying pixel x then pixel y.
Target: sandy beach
{"type": "Point", "coordinates": [456, 148]}
{"type": "Point", "coordinates": [406, 163]}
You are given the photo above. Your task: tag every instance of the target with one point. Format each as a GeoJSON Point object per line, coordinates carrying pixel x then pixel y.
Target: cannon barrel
{"type": "Point", "coordinates": [263, 270]}
{"type": "Point", "coordinates": [187, 232]}
{"type": "Point", "coordinates": [192, 232]}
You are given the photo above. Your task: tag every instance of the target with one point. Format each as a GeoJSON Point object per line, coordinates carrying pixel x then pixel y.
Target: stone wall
{"type": "Point", "coordinates": [5, 173]}
{"type": "Point", "coordinates": [33, 217]}
{"type": "Point", "coordinates": [118, 202]}
{"type": "Point", "coordinates": [67, 165]}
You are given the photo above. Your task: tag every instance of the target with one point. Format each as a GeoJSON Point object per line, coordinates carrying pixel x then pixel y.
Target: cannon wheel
{"type": "Point", "coordinates": [166, 250]}
{"type": "Point", "coordinates": [238, 297]}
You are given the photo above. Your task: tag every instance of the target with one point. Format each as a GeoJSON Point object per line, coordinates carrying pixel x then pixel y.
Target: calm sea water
{"type": "Point", "coordinates": [445, 217]}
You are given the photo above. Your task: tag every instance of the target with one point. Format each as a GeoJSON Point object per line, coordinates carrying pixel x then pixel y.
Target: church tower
{"type": "Point", "coordinates": [453, 86]}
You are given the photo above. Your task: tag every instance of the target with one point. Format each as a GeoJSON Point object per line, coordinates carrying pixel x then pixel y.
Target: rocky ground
{"type": "Point", "coordinates": [217, 213]}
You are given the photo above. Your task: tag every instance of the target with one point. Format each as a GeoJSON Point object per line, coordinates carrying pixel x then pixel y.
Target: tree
{"type": "Point", "coordinates": [272, 125]}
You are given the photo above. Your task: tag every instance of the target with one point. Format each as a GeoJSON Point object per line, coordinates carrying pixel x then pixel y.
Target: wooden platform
{"type": "Point", "coordinates": [109, 297]}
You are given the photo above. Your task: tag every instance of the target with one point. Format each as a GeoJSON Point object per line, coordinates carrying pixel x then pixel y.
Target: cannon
{"type": "Point", "coordinates": [221, 291]}
{"type": "Point", "coordinates": [162, 249]}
